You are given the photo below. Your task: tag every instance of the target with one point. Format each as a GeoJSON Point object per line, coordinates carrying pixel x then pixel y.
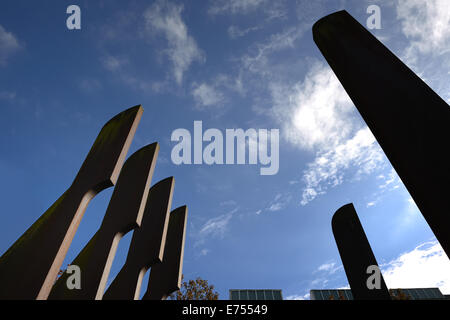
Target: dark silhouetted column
{"type": "Point", "coordinates": [147, 244]}
{"type": "Point", "coordinates": [165, 277]}
{"type": "Point", "coordinates": [409, 120]}
{"type": "Point", "coordinates": [124, 213]}
{"type": "Point", "coordinates": [30, 266]}
{"type": "Point", "coordinates": [356, 254]}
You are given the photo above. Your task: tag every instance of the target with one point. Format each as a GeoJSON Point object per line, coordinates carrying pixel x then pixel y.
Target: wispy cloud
{"type": "Point", "coordinates": [387, 182]}
{"type": "Point", "coordinates": [317, 116]}
{"type": "Point", "coordinates": [425, 266]}
{"type": "Point", "coordinates": [113, 63]}
{"type": "Point", "coordinates": [330, 168]}
{"type": "Point", "coordinates": [391, 180]}
{"type": "Point", "coordinates": [329, 268]}
{"type": "Point", "coordinates": [305, 296]}
{"type": "Point", "coordinates": [9, 44]}
{"type": "Point", "coordinates": [271, 9]}
{"type": "Point", "coordinates": [258, 62]}
{"type": "Point", "coordinates": [165, 17]}
{"type": "Point", "coordinates": [426, 25]}
{"type": "Point", "coordinates": [279, 202]}
{"type": "Point", "coordinates": [328, 274]}
{"type": "Point", "coordinates": [427, 50]}
{"type": "Point", "coordinates": [326, 266]}
{"type": "Point", "coordinates": [207, 96]}
{"type": "Point", "coordinates": [234, 6]}
{"type": "Point", "coordinates": [214, 228]}
{"type": "Point", "coordinates": [315, 112]}
{"type": "Point", "coordinates": [236, 32]}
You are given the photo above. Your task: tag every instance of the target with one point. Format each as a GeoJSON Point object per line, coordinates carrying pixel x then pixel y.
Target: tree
{"type": "Point", "coordinates": [197, 289]}
{"type": "Point", "coordinates": [398, 294]}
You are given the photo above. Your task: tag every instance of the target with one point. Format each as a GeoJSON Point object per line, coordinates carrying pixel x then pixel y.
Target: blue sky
{"type": "Point", "coordinates": [231, 64]}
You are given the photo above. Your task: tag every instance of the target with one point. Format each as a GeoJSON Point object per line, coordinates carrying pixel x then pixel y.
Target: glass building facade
{"type": "Point", "coordinates": [256, 294]}
{"type": "Point", "coordinates": [404, 294]}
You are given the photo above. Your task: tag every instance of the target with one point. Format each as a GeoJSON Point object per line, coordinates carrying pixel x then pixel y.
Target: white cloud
{"type": "Point", "coordinates": [235, 6]}
{"type": "Point", "coordinates": [316, 112]}
{"type": "Point", "coordinates": [317, 115]}
{"type": "Point", "coordinates": [371, 204]}
{"type": "Point", "coordinates": [326, 266]}
{"type": "Point", "coordinates": [330, 167]}
{"type": "Point", "coordinates": [329, 268]}
{"type": "Point", "coordinates": [311, 11]}
{"type": "Point", "coordinates": [389, 182]}
{"type": "Point", "coordinates": [214, 227]}
{"type": "Point", "coordinates": [259, 62]}
{"type": "Point", "coordinates": [275, 207]}
{"type": "Point", "coordinates": [236, 32]}
{"type": "Point", "coordinates": [113, 63]}
{"type": "Point", "coordinates": [8, 45]}
{"type": "Point", "coordinates": [426, 25]}
{"type": "Point", "coordinates": [207, 96]}
{"type": "Point", "coordinates": [280, 202]}
{"type": "Point", "coordinates": [325, 274]}
{"type": "Point", "coordinates": [319, 283]}
{"type": "Point", "coordinates": [271, 9]}
{"type": "Point", "coordinates": [391, 179]}
{"type": "Point", "coordinates": [230, 83]}
{"type": "Point", "coordinates": [298, 297]}
{"type": "Point", "coordinates": [424, 267]}
{"type": "Point", "coordinates": [165, 17]}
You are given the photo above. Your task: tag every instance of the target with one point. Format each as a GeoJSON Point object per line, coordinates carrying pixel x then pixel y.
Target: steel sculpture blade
{"type": "Point", "coordinates": [165, 277]}
{"type": "Point", "coordinates": [409, 120]}
{"type": "Point", "coordinates": [36, 257]}
{"type": "Point", "coordinates": [147, 244]}
{"type": "Point", "coordinates": [124, 213]}
{"type": "Point", "coordinates": [356, 254]}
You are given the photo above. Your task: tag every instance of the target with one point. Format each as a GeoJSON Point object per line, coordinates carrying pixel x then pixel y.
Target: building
{"type": "Point", "coordinates": [259, 294]}
{"type": "Point", "coordinates": [396, 294]}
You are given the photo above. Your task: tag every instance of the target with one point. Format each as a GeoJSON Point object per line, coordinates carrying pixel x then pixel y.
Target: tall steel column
{"type": "Point", "coordinates": [409, 120]}
{"type": "Point", "coordinates": [356, 254]}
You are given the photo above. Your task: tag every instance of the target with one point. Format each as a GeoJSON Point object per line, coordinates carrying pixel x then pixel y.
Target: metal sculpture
{"type": "Point", "coordinates": [124, 213]}
{"type": "Point", "coordinates": [409, 120]}
{"type": "Point", "coordinates": [149, 238]}
{"type": "Point", "coordinates": [29, 268]}
{"type": "Point", "coordinates": [36, 257]}
{"type": "Point", "coordinates": [356, 254]}
{"type": "Point", "coordinates": [165, 278]}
